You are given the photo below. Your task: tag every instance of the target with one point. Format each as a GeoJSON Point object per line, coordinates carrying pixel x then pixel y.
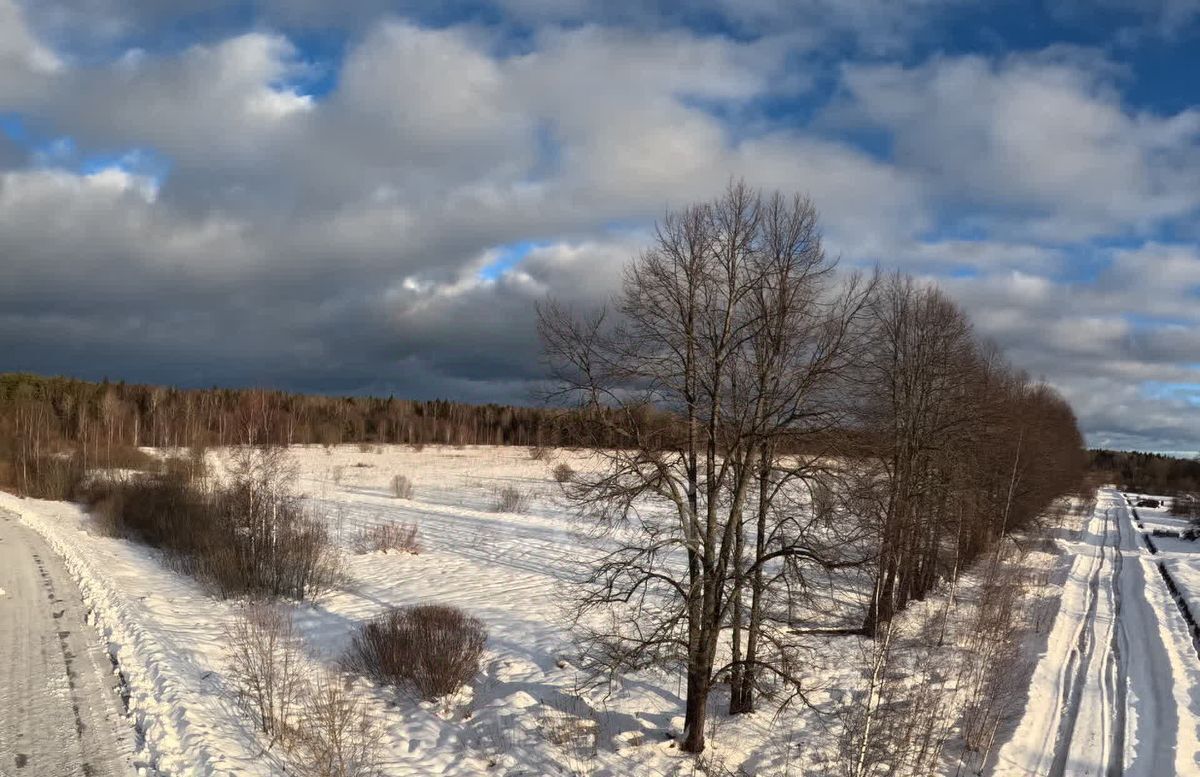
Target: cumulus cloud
{"type": "Point", "coordinates": [24, 62]}
{"type": "Point", "coordinates": [1045, 140]}
{"type": "Point", "coordinates": [1115, 344]}
{"type": "Point", "coordinates": [192, 210]}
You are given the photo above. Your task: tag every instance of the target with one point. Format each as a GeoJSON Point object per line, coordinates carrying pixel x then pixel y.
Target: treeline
{"type": "Point", "coordinates": [100, 423]}
{"type": "Point", "coordinates": [1147, 473]}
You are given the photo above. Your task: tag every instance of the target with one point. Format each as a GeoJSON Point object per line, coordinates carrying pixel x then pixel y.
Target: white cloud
{"type": "Point", "coordinates": [218, 103]}
{"type": "Point", "coordinates": [24, 62]}
{"type": "Point", "coordinates": [1041, 138]}
{"type": "Point", "coordinates": [336, 241]}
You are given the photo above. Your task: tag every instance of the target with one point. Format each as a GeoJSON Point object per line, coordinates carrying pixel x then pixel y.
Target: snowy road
{"type": "Point", "coordinates": [1105, 698]}
{"type": "Point", "coordinates": [59, 714]}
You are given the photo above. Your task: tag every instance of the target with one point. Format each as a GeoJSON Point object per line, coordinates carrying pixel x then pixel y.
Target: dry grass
{"type": "Point", "coordinates": [400, 537]}
{"type": "Point", "coordinates": [264, 666]}
{"type": "Point", "coordinates": [402, 487]}
{"type": "Point", "coordinates": [334, 736]}
{"type": "Point", "coordinates": [511, 499]}
{"type": "Point", "coordinates": [574, 731]}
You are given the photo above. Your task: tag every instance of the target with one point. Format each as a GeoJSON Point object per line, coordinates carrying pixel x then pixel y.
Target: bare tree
{"type": "Point", "coordinates": [264, 666]}
{"type": "Point", "coordinates": [964, 449]}
{"type": "Point", "coordinates": [719, 357]}
{"type": "Point", "coordinates": [919, 365]}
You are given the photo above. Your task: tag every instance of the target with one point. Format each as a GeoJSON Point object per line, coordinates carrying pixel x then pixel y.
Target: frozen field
{"type": "Point", "coordinates": [508, 569]}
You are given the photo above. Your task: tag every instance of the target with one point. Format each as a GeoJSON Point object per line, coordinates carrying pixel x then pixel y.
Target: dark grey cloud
{"type": "Point", "coordinates": [243, 232]}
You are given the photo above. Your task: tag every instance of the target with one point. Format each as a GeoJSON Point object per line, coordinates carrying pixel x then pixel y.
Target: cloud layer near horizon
{"type": "Point", "coordinates": [374, 201]}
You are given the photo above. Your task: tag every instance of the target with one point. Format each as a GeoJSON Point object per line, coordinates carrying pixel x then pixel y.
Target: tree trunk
{"type": "Point", "coordinates": [737, 669]}
{"type": "Point", "coordinates": [698, 685]}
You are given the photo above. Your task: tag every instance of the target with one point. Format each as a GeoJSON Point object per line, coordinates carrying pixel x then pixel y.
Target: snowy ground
{"type": "Point", "coordinates": [1117, 691]}
{"type": "Point", "coordinates": [504, 568]}
{"type": "Point", "coordinates": [509, 570]}
{"type": "Point", "coordinates": [1181, 557]}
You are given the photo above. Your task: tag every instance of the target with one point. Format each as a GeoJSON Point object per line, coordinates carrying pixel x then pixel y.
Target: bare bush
{"type": "Point", "coordinates": [55, 477]}
{"type": "Point", "coordinates": [435, 648]}
{"type": "Point", "coordinates": [264, 666]}
{"type": "Point", "coordinates": [511, 499]}
{"type": "Point", "coordinates": [184, 468]}
{"type": "Point", "coordinates": [161, 509]}
{"type": "Point", "coordinates": [563, 473]}
{"type": "Point", "coordinates": [247, 535]}
{"type": "Point", "coordinates": [122, 457]}
{"type": "Point", "coordinates": [402, 487]}
{"type": "Point", "coordinates": [335, 736]}
{"type": "Point", "coordinates": [538, 452]}
{"type": "Point", "coordinates": [402, 537]}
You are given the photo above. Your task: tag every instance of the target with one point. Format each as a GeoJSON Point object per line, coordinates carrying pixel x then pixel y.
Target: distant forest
{"type": "Point", "coordinates": [1148, 473]}
{"type": "Point", "coordinates": [94, 417]}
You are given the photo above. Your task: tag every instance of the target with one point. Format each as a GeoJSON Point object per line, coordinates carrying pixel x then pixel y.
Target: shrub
{"type": "Point", "coordinates": [538, 452]}
{"type": "Point", "coordinates": [563, 473]}
{"type": "Point", "coordinates": [435, 648]}
{"type": "Point", "coordinates": [402, 487]}
{"type": "Point", "coordinates": [334, 736]}
{"type": "Point", "coordinates": [57, 477]}
{"type": "Point", "coordinates": [124, 457]}
{"type": "Point", "coordinates": [511, 499]}
{"type": "Point", "coordinates": [403, 537]}
{"type": "Point", "coordinates": [188, 467]}
{"type": "Point", "coordinates": [264, 666]}
{"type": "Point", "coordinates": [247, 535]}
{"type": "Point", "coordinates": [160, 509]}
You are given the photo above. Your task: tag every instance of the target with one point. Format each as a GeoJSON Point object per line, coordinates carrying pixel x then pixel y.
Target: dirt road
{"type": "Point", "coordinates": [60, 713]}
{"type": "Point", "coordinates": [1102, 702]}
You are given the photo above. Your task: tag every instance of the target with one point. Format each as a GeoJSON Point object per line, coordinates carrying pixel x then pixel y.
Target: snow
{"type": "Point", "coordinates": [1118, 688]}
{"type": "Point", "coordinates": [506, 569]}
{"type": "Point", "coordinates": [528, 713]}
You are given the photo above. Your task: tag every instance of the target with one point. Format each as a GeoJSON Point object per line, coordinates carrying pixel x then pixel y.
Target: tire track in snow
{"type": "Point", "coordinates": [1116, 669]}
{"type": "Point", "coordinates": [1097, 732]}
{"type": "Point", "coordinates": [58, 713]}
{"type": "Point", "coordinates": [1079, 664]}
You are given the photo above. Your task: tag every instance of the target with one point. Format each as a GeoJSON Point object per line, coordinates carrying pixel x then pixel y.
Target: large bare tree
{"type": "Point", "coordinates": [717, 361]}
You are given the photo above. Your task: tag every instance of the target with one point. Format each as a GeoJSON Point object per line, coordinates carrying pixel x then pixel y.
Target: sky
{"type": "Point", "coordinates": [370, 197]}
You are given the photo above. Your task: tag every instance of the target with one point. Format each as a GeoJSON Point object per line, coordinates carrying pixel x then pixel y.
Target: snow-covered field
{"type": "Point", "coordinates": [504, 568]}
{"type": "Point", "coordinates": [507, 569]}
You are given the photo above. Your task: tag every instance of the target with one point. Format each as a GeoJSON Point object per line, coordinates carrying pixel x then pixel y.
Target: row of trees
{"type": "Point", "coordinates": [818, 421]}
{"type": "Point", "coordinates": [966, 447]}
